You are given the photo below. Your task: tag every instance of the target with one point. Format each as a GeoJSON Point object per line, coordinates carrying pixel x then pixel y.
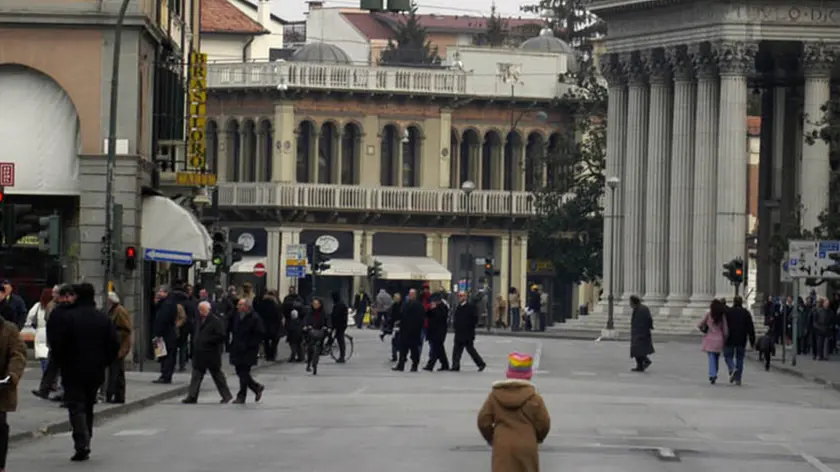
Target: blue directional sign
{"type": "Point", "coordinates": [173, 257]}
{"type": "Point", "coordinates": [295, 272]}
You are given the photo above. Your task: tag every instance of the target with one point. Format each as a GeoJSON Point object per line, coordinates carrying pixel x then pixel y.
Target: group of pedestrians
{"type": "Point", "coordinates": [817, 322]}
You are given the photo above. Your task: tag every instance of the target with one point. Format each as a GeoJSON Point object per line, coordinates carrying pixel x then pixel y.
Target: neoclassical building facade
{"type": "Point", "coordinates": [680, 75]}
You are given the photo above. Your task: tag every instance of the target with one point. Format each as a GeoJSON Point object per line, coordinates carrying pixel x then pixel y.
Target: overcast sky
{"type": "Point", "coordinates": [294, 9]}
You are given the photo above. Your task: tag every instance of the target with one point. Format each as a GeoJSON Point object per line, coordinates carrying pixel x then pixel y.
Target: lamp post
{"type": "Point", "coordinates": [612, 183]}
{"type": "Point", "coordinates": [468, 187]}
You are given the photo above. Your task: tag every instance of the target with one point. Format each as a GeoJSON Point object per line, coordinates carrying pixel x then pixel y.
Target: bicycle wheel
{"type": "Point", "coordinates": [349, 347]}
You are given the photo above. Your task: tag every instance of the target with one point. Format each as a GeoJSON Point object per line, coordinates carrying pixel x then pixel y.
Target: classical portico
{"type": "Point", "coordinates": [680, 74]}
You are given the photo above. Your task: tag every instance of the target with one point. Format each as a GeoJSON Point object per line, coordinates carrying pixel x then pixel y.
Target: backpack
{"type": "Point", "coordinates": [180, 316]}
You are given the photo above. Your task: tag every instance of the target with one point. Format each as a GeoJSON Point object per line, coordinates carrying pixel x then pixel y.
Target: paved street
{"type": "Point", "coordinates": [362, 416]}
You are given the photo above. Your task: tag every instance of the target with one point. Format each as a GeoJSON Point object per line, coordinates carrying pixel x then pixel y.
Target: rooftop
{"type": "Point", "coordinates": [219, 16]}
{"type": "Point", "coordinates": [382, 25]}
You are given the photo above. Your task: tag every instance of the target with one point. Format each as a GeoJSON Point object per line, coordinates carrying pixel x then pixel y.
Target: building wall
{"type": "Point", "coordinates": [263, 43]}
{"type": "Point", "coordinates": [227, 47]}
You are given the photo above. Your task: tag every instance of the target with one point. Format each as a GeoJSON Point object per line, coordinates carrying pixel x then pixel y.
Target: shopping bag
{"type": "Point", "coordinates": [366, 319]}
{"type": "Point", "coordinates": [160, 348]}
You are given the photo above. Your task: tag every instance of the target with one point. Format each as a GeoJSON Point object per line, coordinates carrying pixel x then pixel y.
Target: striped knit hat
{"type": "Point", "coordinates": [520, 366]}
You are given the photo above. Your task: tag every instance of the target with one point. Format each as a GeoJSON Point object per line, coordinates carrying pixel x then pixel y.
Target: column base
{"type": "Point", "coordinates": [674, 305]}
{"type": "Point", "coordinates": [654, 300]}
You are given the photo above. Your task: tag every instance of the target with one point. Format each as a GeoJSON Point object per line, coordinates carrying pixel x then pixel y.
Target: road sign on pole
{"type": "Point", "coordinates": [259, 269]}
{"type": "Point", "coordinates": [811, 259]}
{"type": "Point", "coordinates": [173, 257]}
{"type": "Point", "coordinates": [296, 261]}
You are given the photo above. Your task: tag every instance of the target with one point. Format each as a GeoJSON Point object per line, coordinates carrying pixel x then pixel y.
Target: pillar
{"type": "Point", "coordinates": [703, 261]}
{"type": "Point", "coordinates": [244, 156]}
{"type": "Point", "coordinates": [523, 265]}
{"type": "Point", "coordinates": [275, 266]}
{"type": "Point", "coordinates": [445, 142]}
{"type": "Point", "coordinates": [430, 246]}
{"type": "Point", "coordinates": [358, 256]}
{"type": "Point", "coordinates": [634, 185]}
{"type": "Point", "coordinates": [658, 179]}
{"type": "Point", "coordinates": [367, 243]}
{"type": "Point", "coordinates": [613, 70]}
{"type": "Point", "coordinates": [288, 236]}
{"type": "Point", "coordinates": [314, 155]}
{"type": "Point", "coordinates": [815, 175]}
{"type": "Point", "coordinates": [444, 250]}
{"type": "Point", "coordinates": [682, 174]}
{"type": "Point", "coordinates": [284, 157]}
{"type": "Point", "coordinates": [736, 59]}
{"type": "Point", "coordinates": [338, 159]}
{"type": "Point", "coordinates": [764, 263]}
{"type": "Point", "coordinates": [502, 265]}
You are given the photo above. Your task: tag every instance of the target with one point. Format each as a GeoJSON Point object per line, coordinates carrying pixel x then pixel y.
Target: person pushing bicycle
{"type": "Point", "coordinates": [316, 324]}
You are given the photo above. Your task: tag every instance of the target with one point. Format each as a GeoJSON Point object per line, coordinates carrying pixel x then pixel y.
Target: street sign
{"type": "Point", "coordinates": [259, 269]}
{"type": "Point", "coordinates": [295, 272]}
{"type": "Point", "coordinates": [801, 259]}
{"type": "Point", "coordinates": [7, 174]}
{"type": "Point", "coordinates": [173, 257]}
{"type": "Point", "coordinates": [197, 179]}
{"type": "Point", "coordinates": [296, 255]}
{"type": "Point", "coordinates": [784, 269]}
{"type": "Point", "coordinates": [823, 260]}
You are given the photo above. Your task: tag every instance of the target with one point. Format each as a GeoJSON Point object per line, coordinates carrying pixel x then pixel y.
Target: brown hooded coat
{"type": "Point", "coordinates": [514, 421]}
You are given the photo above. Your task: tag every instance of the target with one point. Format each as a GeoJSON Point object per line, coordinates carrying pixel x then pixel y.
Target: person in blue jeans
{"type": "Point", "coordinates": [715, 332]}
{"type": "Point", "coordinates": [739, 322]}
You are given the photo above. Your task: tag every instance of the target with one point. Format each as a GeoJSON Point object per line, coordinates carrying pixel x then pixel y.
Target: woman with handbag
{"type": "Point", "coordinates": [715, 331]}
{"type": "Point", "coordinates": [37, 320]}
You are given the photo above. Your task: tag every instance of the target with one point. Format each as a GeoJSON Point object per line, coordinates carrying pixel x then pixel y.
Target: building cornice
{"type": "Point", "coordinates": [605, 7]}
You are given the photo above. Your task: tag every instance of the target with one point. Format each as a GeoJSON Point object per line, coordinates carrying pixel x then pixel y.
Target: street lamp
{"type": "Point", "coordinates": [468, 186]}
{"type": "Point", "coordinates": [612, 183]}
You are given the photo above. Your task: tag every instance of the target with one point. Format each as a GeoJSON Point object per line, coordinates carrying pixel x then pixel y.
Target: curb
{"type": "Point", "coordinates": [58, 427]}
{"type": "Point", "coordinates": [581, 335]}
{"type": "Point", "coordinates": [794, 372]}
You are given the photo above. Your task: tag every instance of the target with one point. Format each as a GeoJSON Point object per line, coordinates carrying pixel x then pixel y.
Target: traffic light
{"type": "Point", "coordinates": [130, 258]}
{"type": "Point", "coordinates": [489, 267]}
{"type": "Point", "coordinates": [18, 221]}
{"type": "Point", "coordinates": [375, 270]}
{"type": "Point", "coordinates": [219, 249]}
{"type": "Point", "coordinates": [835, 267]}
{"type": "Point", "coordinates": [320, 261]}
{"type": "Point", "coordinates": [734, 271]}
{"type": "Point", "coordinates": [49, 234]}
{"type": "Point", "coordinates": [234, 253]}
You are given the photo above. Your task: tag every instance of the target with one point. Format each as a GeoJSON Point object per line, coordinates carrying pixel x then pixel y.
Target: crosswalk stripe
{"type": "Point", "coordinates": [138, 432]}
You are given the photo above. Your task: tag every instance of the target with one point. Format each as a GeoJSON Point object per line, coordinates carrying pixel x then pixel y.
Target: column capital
{"type": "Point", "coordinates": [703, 60]}
{"type": "Point", "coordinates": [818, 58]}
{"type": "Point", "coordinates": [735, 57]}
{"type": "Point", "coordinates": [658, 67]}
{"type": "Point", "coordinates": [613, 69]}
{"type": "Point", "coordinates": [680, 59]}
{"type": "Point", "coordinates": [635, 68]}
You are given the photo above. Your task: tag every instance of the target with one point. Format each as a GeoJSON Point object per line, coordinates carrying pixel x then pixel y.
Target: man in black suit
{"type": "Point", "coordinates": [412, 319]}
{"type": "Point", "coordinates": [84, 343]}
{"type": "Point", "coordinates": [466, 319]}
{"type": "Point", "coordinates": [208, 342]}
{"type": "Point", "coordinates": [339, 315]}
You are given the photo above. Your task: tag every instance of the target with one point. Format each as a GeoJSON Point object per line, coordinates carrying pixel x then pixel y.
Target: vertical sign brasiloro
{"type": "Point", "coordinates": [196, 141]}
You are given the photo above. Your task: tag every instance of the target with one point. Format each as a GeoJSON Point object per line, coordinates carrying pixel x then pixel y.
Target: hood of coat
{"type": "Point", "coordinates": [272, 298]}
{"type": "Point", "coordinates": [513, 393]}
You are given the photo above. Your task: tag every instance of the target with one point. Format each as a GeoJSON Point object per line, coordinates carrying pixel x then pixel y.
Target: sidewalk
{"type": "Point", "coordinates": [822, 372]}
{"type": "Point", "coordinates": [556, 332]}
{"type": "Point", "coordinates": [36, 417]}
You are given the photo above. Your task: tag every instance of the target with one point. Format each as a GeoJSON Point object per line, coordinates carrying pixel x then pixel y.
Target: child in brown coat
{"type": "Point", "coordinates": [514, 419]}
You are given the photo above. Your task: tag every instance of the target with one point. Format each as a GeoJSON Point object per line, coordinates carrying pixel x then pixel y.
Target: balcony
{"type": "Point", "coordinates": [350, 198]}
{"type": "Point", "coordinates": [260, 75]}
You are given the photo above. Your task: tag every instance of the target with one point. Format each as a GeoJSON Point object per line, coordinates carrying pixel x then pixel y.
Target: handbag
{"type": "Point", "coordinates": [704, 328]}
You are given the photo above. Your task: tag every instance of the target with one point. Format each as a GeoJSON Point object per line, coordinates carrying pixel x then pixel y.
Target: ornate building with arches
{"type": "Point", "coordinates": [381, 169]}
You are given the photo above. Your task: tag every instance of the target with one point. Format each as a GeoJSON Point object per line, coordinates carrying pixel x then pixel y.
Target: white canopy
{"type": "Point", "coordinates": [412, 268]}
{"type": "Point", "coordinates": [169, 227]}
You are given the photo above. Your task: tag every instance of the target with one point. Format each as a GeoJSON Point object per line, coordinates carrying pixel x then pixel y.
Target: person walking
{"type": "Point", "coordinates": [741, 330]}
{"type": "Point", "coordinates": [13, 357]}
{"type": "Point", "coordinates": [165, 328]}
{"type": "Point", "coordinates": [381, 305]}
{"type": "Point", "coordinates": [338, 319]}
{"type": "Point", "coordinates": [268, 308]}
{"type": "Point", "coordinates": [438, 316]}
{"type": "Point", "coordinates": [115, 377]}
{"type": "Point", "coordinates": [37, 320]}
{"type": "Point", "coordinates": [515, 309]}
{"type": "Point", "coordinates": [63, 298]}
{"type": "Point", "coordinates": [208, 344]}
{"type": "Point", "coordinates": [248, 333]}
{"type": "Point", "coordinates": [641, 336]}
{"type": "Point", "coordinates": [466, 319]}
{"type": "Point", "coordinates": [84, 342]}
{"type": "Point", "coordinates": [315, 326]}
{"type": "Point", "coordinates": [715, 332]}
{"type": "Point", "coordinates": [412, 319]}
{"type": "Point", "coordinates": [822, 325]}
{"type": "Point", "coordinates": [514, 419]}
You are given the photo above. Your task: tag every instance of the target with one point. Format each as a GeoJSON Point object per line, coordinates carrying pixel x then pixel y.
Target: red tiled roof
{"type": "Point", "coordinates": [219, 16]}
{"type": "Point", "coordinates": [369, 26]}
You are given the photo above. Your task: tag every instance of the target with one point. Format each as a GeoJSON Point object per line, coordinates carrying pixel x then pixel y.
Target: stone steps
{"type": "Point", "coordinates": [668, 324]}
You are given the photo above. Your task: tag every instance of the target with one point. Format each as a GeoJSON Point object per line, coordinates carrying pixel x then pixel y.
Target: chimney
{"type": "Point", "coordinates": [315, 4]}
{"type": "Point", "coordinates": [264, 13]}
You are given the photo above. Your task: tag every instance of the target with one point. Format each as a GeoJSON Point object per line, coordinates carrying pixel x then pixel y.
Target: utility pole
{"type": "Point", "coordinates": [112, 152]}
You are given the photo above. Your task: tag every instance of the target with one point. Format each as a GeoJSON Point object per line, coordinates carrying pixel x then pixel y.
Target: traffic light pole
{"type": "Point", "coordinates": [112, 150]}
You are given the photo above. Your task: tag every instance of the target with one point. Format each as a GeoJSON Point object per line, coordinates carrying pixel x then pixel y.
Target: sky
{"type": "Point", "coordinates": [294, 9]}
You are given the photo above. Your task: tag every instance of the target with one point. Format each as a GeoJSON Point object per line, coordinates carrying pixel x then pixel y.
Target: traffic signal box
{"type": "Point", "coordinates": [734, 271]}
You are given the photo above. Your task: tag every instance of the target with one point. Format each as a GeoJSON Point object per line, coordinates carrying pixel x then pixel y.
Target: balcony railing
{"type": "Point", "coordinates": [376, 199]}
{"type": "Point", "coordinates": [336, 77]}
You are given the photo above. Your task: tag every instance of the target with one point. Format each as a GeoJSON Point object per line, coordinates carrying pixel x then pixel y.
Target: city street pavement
{"type": "Point", "coordinates": [822, 372]}
{"type": "Point", "coordinates": [362, 416]}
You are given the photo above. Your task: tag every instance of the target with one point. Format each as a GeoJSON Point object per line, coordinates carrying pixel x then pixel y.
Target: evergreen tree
{"type": "Point", "coordinates": [497, 29]}
{"type": "Point", "coordinates": [411, 44]}
{"type": "Point", "coordinates": [569, 228]}
{"type": "Point", "coordinates": [572, 22]}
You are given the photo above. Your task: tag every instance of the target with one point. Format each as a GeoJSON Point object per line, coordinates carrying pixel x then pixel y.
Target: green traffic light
{"type": "Point", "coordinates": [217, 261]}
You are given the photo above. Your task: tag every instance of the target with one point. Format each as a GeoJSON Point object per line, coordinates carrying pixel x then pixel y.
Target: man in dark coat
{"type": "Point", "coordinates": [438, 315]}
{"type": "Point", "coordinates": [641, 339]}
{"type": "Point", "coordinates": [466, 319]}
{"type": "Point", "coordinates": [269, 310]}
{"type": "Point", "coordinates": [338, 319]}
{"type": "Point", "coordinates": [164, 327]}
{"type": "Point", "coordinates": [248, 333]}
{"type": "Point", "coordinates": [412, 318]}
{"type": "Point", "coordinates": [84, 342]}
{"type": "Point", "coordinates": [740, 327]}
{"type": "Point", "coordinates": [208, 342]}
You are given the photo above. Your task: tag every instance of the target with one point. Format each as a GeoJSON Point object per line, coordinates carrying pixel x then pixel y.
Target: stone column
{"type": "Point", "coordinates": [736, 59]}
{"type": "Point", "coordinates": [337, 161]}
{"type": "Point", "coordinates": [705, 179]}
{"type": "Point", "coordinates": [777, 173]}
{"type": "Point", "coordinates": [502, 264]}
{"type": "Point", "coordinates": [657, 182]}
{"type": "Point", "coordinates": [682, 175]}
{"type": "Point", "coordinates": [634, 184]}
{"type": "Point", "coordinates": [815, 175]}
{"type": "Point", "coordinates": [763, 262]}
{"type": "Point", "coordinates": [523, 264]}
{"type": "Point", "coordinates": [613, 70]}
{"type": "Point", "coordinates": [359, 256]}
{"type": "Point", "coordinates": [444, 250]}
{"type": "Point", "coordinates": [275, 266]}
{"type": "Point", "coordinates": [314, 156]}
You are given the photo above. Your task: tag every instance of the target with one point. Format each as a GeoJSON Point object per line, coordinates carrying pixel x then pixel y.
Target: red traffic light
{"type": "Point", "coordinates": [739, 272]}
{"type": "Point", "coordinates": [130, 252]}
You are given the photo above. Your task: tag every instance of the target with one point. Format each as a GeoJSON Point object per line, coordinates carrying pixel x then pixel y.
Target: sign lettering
{"type": "Point", "coordinates": [796, 14]}
{"type": "Point", "coordinates": [197, 121]}
{"type": "Point", "coordinates": [195, 179]}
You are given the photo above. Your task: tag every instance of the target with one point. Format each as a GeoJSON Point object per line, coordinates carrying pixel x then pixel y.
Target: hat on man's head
{"type": "Point", "coordinates": [520, 366]}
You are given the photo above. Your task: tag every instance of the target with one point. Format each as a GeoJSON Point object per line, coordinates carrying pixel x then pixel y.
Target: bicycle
{"type": "Point", "coordinates": [330, 347]}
